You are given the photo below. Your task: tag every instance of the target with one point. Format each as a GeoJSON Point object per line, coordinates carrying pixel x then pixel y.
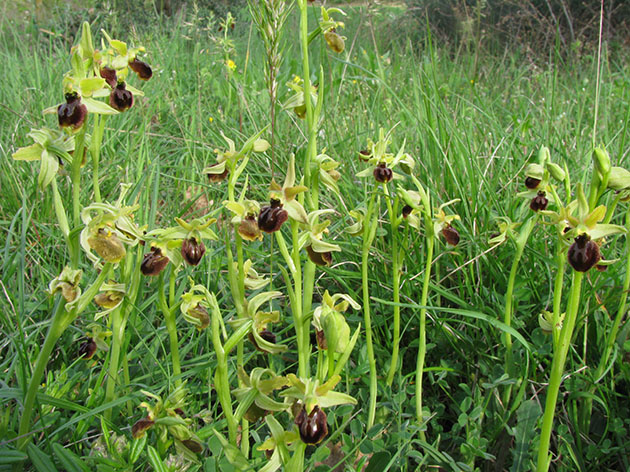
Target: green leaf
{"type": "Point", "coordinates": [526, 417]}
{"type": "Point", "coordinates": [28, 153]}
{"type": "Point", "coordinates": [155, 460]}
{"type": "Point", "coordinates": [379, 462]}
{"type": "Point", "coordinates": [91, 85]}
{"type": "Point", "coordinates": [41, 461]}
{"type": "Point", "coordinates": [233, 453]}
{"type": "Point", "coordinates": [69, 460]}
{"type": "Point", "coordinates": [86, 41]}
{"type": "Point", "coordinates": [10, 456]}
{"type": "Point", "coordinates": [101, 108]}
{"type": "Point", "coordinates": [137, 447]}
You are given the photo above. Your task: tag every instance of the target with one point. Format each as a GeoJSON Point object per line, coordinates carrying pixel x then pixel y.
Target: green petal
{"type": "Point", "coordinates": [28, 153]}
{"type": "Point", "coordinates": [296, 211]}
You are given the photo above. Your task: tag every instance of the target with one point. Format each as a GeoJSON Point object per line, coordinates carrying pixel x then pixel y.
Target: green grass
{"type": "Point", "coordinates": [472, 128]}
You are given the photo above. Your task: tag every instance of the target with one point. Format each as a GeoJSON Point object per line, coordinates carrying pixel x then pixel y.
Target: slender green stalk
{"type": "Point", "coordinates": [302, 333]}
{"type": "Point", "coordinates": [54, 332]}
{"type": "Point", "coordinates": [119, 322]}
{"type": "Point", "coordinates": [75, 177]}
{"type": "Point", "coordinates": [393, 217]}
{"type": "Point", "coordinates": [369, 230]}
{"type": "Point", "coordinates": [169, 320]}
{"type": "Point", "coordinates": [557, 369]}
{"type": "Point", "coordinates": [95, 151]}
{"type": "Point", "coordinates": [561, 262]}
{"type": "Point", "coordinates": [422, 336]}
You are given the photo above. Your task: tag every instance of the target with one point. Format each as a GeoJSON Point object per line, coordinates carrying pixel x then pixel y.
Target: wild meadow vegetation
{"type": "Point", "coordinates": [304, 236]}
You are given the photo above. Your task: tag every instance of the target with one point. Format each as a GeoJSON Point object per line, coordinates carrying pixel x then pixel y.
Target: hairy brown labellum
{"type": "Point", "coordinates": [254, 413]}
{"type": "Point", "coordinates": [321, 340]}
{"type": "Point", "coordinates": [215, 178]}
{"type": "Point", "coordinates": [107, 245]}
{"type": "Point", "coordinates": [248, 228]}
{"type": "Point", "coordinates": [313, 427]}
{"type": "Point", "coordinates": [153, 262]}
{"type": "Point", "coordinates": [383, 174]}
{"type": "Point", "coordinates": [193, 251]}
{"type": "Point", "coordinates": [272, 217]}
{"type": "Point", "coordinates": [108, 300]}
{"type": "Point", "coordinates": [451, 235]}
{"type": "Point", "coordinates": [583, 253]}
{"type": "Point", "coordinates": [365, 155]}
{"type": "Point", "coordinates": [406, 211]}
{"type": "Point", "coordinates": [319, 258]}
{"type": "Point", "coordinates": [140, 427]}
{"type": "Point", "coordinates": [109, 75]}
{"type": "Point", "coordinates": [335, 42]}
{"type": "Point", "coordinates": [87, 349]}
{"type": "Point", "coordinates": [72, 113]}
{"type": "Point", "coordinates": [141, 68]}
{"type": "Point", "coordinates": [192, 445]}
{"type": "Point", "coordinates": [200, 313]}
{"type": "Point", "coordinates": [539, 202]}
{"type": "Point", "coordinates": [266, 335]}
{"type": "Point", "coordinates": [532, 182]}
{"type": "Point", "coordinates": [120, 98]}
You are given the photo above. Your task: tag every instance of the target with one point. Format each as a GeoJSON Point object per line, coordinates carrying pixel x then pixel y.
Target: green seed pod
{"type": "Point", "coordinates": [601, 159]}
{"type": "Point", "coordinates": [556, 171]}
{"type": "Point", "coordinates": [619, 178]}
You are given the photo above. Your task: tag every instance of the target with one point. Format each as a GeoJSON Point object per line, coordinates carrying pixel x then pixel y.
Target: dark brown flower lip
{"type": "Point", "coordinates": [539, 202]}
{"type": "Point", "coordinates": [313, 427]}
{"type": "Point", "coordinates": [142, 69]}
{"type": "Point", "coordinates": [248, 228]}
{"type": "Point", "coordinates": [383, 174]}
{"type": "Point", "coordinates": [272, 217]}
{"type": "Point", "coordinates": [406, 211]}
{"type": "Point", "coordinates": [87, 349]}
{"type": "Point", "coordinates": [109, 75]}
{"type": "Point", "coordinates": [153, 262]}
{"type": "Point", "coordinates": [120, 98]}
{"type": "Point", "coordinates": [323, 259]}
{"type": "Point", "coordinates": [71, 114]}
{"type": "Point", "coordinates": [215, 178]}
{"type": "Point", "coordinates": [451, 235]}
{"type": "Point", "coordinates": [141, 426]}
{"type": "Point", "coordinates": [192, 251]}
{"type": "Point", "coordinates": [532, 183]}
{"type": "Point", "coordinates": [583, 254]}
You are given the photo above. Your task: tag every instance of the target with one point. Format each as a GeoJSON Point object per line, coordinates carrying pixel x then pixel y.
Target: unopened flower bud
{"type": "Point", "coordinates": [72, 113]}
{"type": "Point", "coordinates": [556, 171]}
{"type": "Point", "coordinates": [601, 159]}
{"type": "Point", "coordinates": [193, 251]}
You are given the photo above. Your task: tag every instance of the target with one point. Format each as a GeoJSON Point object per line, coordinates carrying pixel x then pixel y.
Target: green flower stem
{"type": "Point", "coordinates": [393, 218]}
{"type": "Point", "coordinates": [312, 132]}
{"type": "Point", "coordinates": [521, 242]}
{"type": "Point", "coordinates": [221, 381]}
{"type": "Point", "coordinates": [95, 151]}
{"type": "Point", "coordinates": [240, 345]}
{"type": "Point", "coordinates": [561, 262]}
{"type": "Point", "coordinates": [301, 333]}
{"type": "Point", "coordinates": [61, 320]}
{"type": "Point", "coordinates": [369, 230]}
{"type": "Point", "coordinates": [422, 336]}
{"type": "Point", "coordinates": [557, 369]}
{"type": "Point", "coordinates": [119, 321]}
{"type": "Point", "coordinates": [75, 177]}
{"type": "Point", "coordinates": [54, 332]}
{"type": "Point", "coordinates": [169, 319]}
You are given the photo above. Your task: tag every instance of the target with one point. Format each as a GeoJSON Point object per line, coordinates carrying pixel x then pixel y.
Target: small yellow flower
{"type": "Point", "coordinates": [297, 79]}
{"type": "Point", "coordinates": [210, 119]}
{"type": "Point", "coordinates": [230, 64]}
